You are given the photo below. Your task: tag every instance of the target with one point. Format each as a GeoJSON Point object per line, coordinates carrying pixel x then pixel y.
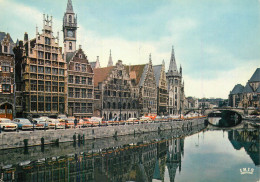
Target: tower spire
{"type": "Point", "coordinates": [173, 66]}
{"type": "Point", "coordinates": [110, 62]}
{"type": "Point", "coordinates": [69, 7]}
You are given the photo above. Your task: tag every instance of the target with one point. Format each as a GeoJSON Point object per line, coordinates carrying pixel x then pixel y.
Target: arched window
{"type": "Point", "coordinates": [114, 105]}
{"type": "Point", "coordinates": [129, 105]}
{"type": "Point", "coordinates": [70, 46]}
{"type": "Point", "coordinates": [108, 105]}
{"type": "Point", "coordinates": [70, 19]}
{"type": "Point", "coordinates": [104, 105]}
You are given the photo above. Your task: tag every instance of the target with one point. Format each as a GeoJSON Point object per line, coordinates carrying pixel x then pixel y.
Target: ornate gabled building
{"type": "Point", "coordinates": [43, 73]}
{"type": "Point", "coordinates": [248, 96]}
{"type": "Point", "coordinates": [80, 85]}
{"type": "Point", "coordinates": [117, 94]}
{"type": "Point", "coordinates": [143, 78]}
{"type": "Point", "coordinates": [80, 73]}
{"type": "Point", "coordinates": [7, 101]}
{"type": "Point", "coordinates": [161, 84]}
{"type": "Point", "coordinates": [175, 87]}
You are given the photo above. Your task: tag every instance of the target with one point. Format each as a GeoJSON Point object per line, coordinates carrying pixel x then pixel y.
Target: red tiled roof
{"type": "Point", "coordinates": [100, 74]}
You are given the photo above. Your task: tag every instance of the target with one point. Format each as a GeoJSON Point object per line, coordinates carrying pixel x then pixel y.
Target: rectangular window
{"type": "Point", "coordinates": [40, 69]}
{"type": "Point", "coordinates": [77, 79]}
{"type": "Point", "coordinates": [48, 86]}
{"type": "Point", "coordinates": [40, 54]}
{"type": "Point", "coordinates": [47, 41]}
{"type": "Point", "coordinates": [33, 103]}
{"type": "Point", "coordinates": [83, 93]}
{"type": "Point", "coordinates": [54, 57]}
{"type": "Point", "coordinates": [77, 92]}
{"type": "Point", "coordinates": [33, 69]}
{"type": "Point", "coordinates": [6, 67]}
{"type": "Point", "coordinates": [48, 106]}
{"type": "Point", "coordinates": [33, 85]}
{"type": "Point", "coordinates": [6, 88]}
{"type": "Point", "coordinates": [83, 81]}
{"type": "Point", "coordinates": [77, 107]}
{"type": "Point", "coordinates": [61, 87]}
{"type": "Point", "coordinates": [89, 93]}
{"type": "Point", "coordinates": [71, 79]}
{"type": "Point", "coordinates": [54, 106]}
{"type": "Point", "coordinates": [77, 67]}
{"type": "Point", "coordinates": [54, 88]}
{"type": "Point", "coordinates": [5, 49]}
{"type": "Point", "coordinates": [61, 71]}
{"type": "Point", "coordinates": [83, 66]}
{"type": "Point", "coordinates": [40, 85]}
{"type": "Point", "coordinates": [48, 70]}
{"type": "Point", "coordinates": [83, 107]}
{"type": "Point", "coordinates": [71, 92]}
{"type": "Point", "coordinates": [89, 81]}
{"type": "Point", "coordinates": [54, 71]}
{"type": "Point", "coordinates": [47, 55]}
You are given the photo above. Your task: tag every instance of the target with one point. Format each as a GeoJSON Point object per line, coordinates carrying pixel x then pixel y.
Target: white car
{"type": "Point", "coordinates": [54, 122]}
{"type": "Point", "coordinates": [7, 125]}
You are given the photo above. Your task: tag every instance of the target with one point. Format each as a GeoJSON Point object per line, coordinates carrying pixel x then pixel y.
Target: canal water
{"type": "Point", "coordinates": [191, 154]}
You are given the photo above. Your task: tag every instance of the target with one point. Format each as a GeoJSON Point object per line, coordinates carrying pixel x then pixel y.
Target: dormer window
{"type": "Point", "coordinates": [5, 49]}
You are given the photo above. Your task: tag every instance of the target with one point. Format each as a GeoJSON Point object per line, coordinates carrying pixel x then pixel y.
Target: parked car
{"type": "Point", "coordinates": [132, 120]}
{"type": "Point", "coordinates": [44, 118]}
{"type": "Point", "coordinates": [158, 119]}
{"type": "Point", "coordinates": [23, 123]}
{"type": "Point", "coordinates": [55, 123]}
{"type": "Point", "coordinates": [69, 122]}
{"type": "Point", "coordinates": [40, 123]}
{"type": "Point", "coordinates": [7, 125]}
{"type": "Point", "coordinates": [62, 117]}
{"type": "Point", "coordinates": [145, 119]}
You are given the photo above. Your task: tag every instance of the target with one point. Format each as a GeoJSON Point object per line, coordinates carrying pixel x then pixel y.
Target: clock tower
{"type": "Point", "coordinates": [69, 29]}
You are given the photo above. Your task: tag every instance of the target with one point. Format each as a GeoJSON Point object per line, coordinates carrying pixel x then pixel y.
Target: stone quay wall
{"type": "Point", "coordinates": [10, 140]}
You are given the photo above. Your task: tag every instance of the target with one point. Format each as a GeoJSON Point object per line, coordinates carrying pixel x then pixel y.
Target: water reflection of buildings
{"type": "Point", "coordinates": [247, 139]}
{"type": "Point", "coordinates": [146, 161]}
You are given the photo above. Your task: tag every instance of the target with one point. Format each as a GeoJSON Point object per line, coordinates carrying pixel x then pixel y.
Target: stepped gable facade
{"type": "Point", "coordinates": [116, 92]}
{"type": "Point", "coordinates": [43, 73]}
{"type": "Point", "coordinates": [161, 84]}
{"type": "Point", "coordinates": [7, 63]}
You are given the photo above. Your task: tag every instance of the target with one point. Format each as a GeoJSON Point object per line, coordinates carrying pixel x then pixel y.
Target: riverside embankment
{"type": "Point", "coordinates": [10, 140]}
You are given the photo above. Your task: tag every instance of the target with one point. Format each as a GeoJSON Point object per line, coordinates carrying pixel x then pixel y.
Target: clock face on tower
{"type": "Point", "coordinates": [70, 33]}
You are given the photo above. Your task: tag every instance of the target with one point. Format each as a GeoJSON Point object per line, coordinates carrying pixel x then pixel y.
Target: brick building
{"type": "Point", "coordinates": [7, 102]}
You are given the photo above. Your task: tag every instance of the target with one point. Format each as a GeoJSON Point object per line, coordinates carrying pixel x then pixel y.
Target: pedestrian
{"type": "Point", "coordinates": [75, 122]}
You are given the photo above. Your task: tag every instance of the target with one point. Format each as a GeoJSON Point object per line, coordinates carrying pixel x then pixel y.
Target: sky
{"type": "Point", "coordinates": [216, 42]}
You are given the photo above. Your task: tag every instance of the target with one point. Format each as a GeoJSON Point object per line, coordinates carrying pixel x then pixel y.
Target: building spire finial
{"type": "Point", "coordinates": [173, 65]}
{"type": "Point", "coordinates": [110, 62]}
{"type": "Point", "coordinates": [69, 7]}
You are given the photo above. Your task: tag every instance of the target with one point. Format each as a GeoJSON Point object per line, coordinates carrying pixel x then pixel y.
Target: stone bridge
{"type": "Point", "coordinates": [206, 111]}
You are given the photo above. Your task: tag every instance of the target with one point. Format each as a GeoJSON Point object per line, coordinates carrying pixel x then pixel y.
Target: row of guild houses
{"type": "Point", "coordinates": [38, 77]}
{"type": "Point", "coordinates": [247, 96]}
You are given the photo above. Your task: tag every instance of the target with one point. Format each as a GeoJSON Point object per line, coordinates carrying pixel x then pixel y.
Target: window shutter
{"type": "Point", "coordinates": [12, 89]}
{"type": "Point", "coordinates": [12, 69]}
{"type": "Point", "coordinates": [0, 87]}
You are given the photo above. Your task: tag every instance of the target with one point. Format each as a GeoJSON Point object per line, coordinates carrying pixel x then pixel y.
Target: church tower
{"type": "Point", "coordinates": [69, 29]}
